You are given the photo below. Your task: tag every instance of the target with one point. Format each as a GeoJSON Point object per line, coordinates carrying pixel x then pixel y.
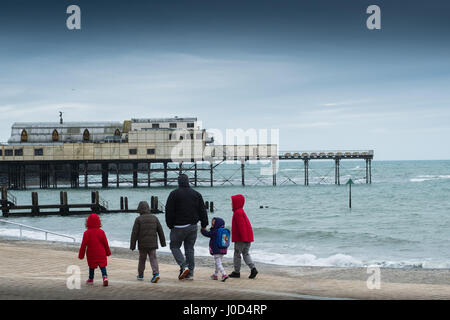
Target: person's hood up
{"type": "Point", "coordinates": [93, 221]}
{"type": "Point", "coordinates": [218, 222]}
{"type": "Point", "coordinates": [183, 181]}
{"type": "Point", "coordinates": [238, 201]}
{"type": "Point", "coordinates": [143, 207]}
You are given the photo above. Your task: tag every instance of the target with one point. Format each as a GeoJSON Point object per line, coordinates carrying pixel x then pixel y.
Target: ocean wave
{"type": "Point", "coordinates": [262, 256]}
{"type": "Point", "coordinates": [428, 177]}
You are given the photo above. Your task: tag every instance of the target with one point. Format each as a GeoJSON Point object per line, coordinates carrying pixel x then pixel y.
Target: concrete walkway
{"type": "Point", "coordinates": [32, 270]}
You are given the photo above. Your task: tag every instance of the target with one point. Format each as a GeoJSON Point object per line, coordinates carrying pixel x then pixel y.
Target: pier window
{"type": "Point", "coordinates": [155, 125]}
{"type": "Point", "coordinates": [192, 136]}
{"type": "Point", "coordinates": [38, 152]}
{"type": "Point", "coordinates": [8, 152]}
{"type": "Point", "coordinates": [181, 136]}
{"type": "Point", "coordinates": [190, 125]}
{"type": "Point", "coordinates": [117, 133]}
{"type": "Point", "coordinates": [151, 151]}
{"type": "Point", "coordinates": [86, 135]}
{"type": "Point", "coordinates": [173, 125]}
{"type": "Point", "coordinates": [171, 136]}
{"type": "Point", "coordinates": [24, 136]}
{"type": "Point", "coordinates": [18, 152]}
{"type": "Point", "coordinates": [55, 135]}
{"type": "Point", "coordinates": [133, 151]}
{"type": "Point", "coordinates": [1, 152]}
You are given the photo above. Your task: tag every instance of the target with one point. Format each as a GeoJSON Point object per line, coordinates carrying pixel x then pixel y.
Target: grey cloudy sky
{"type": "Point", "coordinates": [308, 68]}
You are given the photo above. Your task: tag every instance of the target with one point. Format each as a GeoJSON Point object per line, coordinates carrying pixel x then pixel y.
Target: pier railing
{"type": "Point", "coordinates": [326, 154]}
{"type": "Point", "coordinates": [36, 229]}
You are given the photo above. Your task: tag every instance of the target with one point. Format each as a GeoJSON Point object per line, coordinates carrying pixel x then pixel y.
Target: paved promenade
{"type": "Point", "coordinates": [36, 270]}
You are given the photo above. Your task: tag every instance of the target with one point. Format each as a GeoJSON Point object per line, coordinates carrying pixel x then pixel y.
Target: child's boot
{"type": "Point", "coordinates": [224, 277]}
{"type": "Point", "coordinates": [105, 281]}
{"type": "Point", "coordinates": [253, 273]}
{"type": "Point", "coordinates": [90, 282]}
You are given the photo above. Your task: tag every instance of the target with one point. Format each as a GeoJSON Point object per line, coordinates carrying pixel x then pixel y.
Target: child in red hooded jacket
{"type": "Point", "coordinates": [242, 236]}
{"type": "Point", "coordinates": [94, 239]}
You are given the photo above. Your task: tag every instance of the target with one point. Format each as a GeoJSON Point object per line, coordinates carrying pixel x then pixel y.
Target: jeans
{"type": "Point", "coordinates": [91, 273]}
{"type": "Point", "coordinates": [242, 248]}
{"type": "Point", "coordinates": [186, 236]}
{"type": "Point", "coordinates": [153, 261]}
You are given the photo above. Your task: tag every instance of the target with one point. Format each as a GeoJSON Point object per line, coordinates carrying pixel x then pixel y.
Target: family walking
{"type": "Point", "coordinates": [184, 209]}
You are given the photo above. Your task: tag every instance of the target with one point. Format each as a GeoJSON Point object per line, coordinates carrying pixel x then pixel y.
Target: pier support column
{"type": "Point", "coordinates": [74, 175]}
{"type": "Point", "coordinates": [117, 174]}
{"type": "Point", "coordinates": [306, 165]}
{"type": "Point", "coordinates": [44, 171]}
{"type": "Point", "coordinates": [211, 174]}
{"type": "Point", "coordinates": [274, 172]}
{"type": "Point", "coordinates": [195, 174]}
{"type": "Point", "coordinates": [135, 175]}
{"type": "Point", "coordinates": [243, 172]}
{"type": "Point", "coordinates": [370, 171]}
{"type": "Point", "coordinates": [367, 171]}
{"type": "Point", "coordinates": [86, 166]}
{"type": "Point", "coordinates": [337, 172]}
{"type": "Point", "coordinates": [105, 174]}
{"type": "Point", "coordinates": [149, 167]}
{"type": "Point", "coordinates": [165, 174]}
{"type": "Point", "coordinates": [5, 208]}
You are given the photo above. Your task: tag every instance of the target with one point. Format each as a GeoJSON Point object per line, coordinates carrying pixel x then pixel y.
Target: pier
{"type": "Point", "coordinates": [159, 173]}
{"type": "Point", "coordinates": [143, 153]}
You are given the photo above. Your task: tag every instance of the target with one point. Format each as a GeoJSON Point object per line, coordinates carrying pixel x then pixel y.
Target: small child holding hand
{"type": "Point", "coordinates": [214, 248]}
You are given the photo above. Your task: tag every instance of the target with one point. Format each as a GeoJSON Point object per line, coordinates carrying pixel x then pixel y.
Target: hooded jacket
{"type": "Point", "coordinates": [241, 229]}
{"type": "Point", "coordinates": [185, 205]}
{"type": "Point", "coordinates": [212, 233]}
{"type": "Point", "coordinates": [94, 239]}
{"type": "Point", "coordinates": [146, 229]}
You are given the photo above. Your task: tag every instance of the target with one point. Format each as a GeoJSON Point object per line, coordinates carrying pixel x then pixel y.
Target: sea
{"type": "Point", "coordinates": [400, 220]}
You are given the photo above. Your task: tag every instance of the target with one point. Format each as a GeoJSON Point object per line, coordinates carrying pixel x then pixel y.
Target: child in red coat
{"type": "Point", "coordinates": [242, 236]}
{"type": "Point", "coordinates": [94, 239]}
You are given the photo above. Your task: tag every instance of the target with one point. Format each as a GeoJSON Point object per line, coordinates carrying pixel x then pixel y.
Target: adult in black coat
{"type": "Point", "coordinates": [184, 209]}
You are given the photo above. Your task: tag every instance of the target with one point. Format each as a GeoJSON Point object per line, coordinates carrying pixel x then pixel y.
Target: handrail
{"type": "Point", "coordinates": [37, 229]}
{"type": "Point", "coordinates": [12, 198]}
{"type": "Point", "coordinates": [281, 152]}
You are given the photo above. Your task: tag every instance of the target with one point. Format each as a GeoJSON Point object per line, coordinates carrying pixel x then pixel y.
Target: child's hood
{"type": "Point", "coordinates": [218, 223]}
{"type": "Point", "coordinates": [238, 201]}
{"type": "Point", "coordinates": [93, 221]}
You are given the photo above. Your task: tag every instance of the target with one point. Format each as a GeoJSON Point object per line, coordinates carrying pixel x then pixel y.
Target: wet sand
{"type": "Point", "coordinates": [38, 270]}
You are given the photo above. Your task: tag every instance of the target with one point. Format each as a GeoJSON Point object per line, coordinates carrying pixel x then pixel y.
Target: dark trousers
{"type": "Point", "coordinates": [151, 253]}
{"type": "Point", "coordinates": [187, 237]}
{"type": "Point", "coordinates": [91, 273]}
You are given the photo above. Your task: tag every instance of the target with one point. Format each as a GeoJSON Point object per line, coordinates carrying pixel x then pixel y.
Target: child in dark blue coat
{"type": "Point", "coordinates": [214, 249]}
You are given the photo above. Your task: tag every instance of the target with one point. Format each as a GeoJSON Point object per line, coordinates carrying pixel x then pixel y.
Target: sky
{"type": "Point", "coordinates": [311, 69]}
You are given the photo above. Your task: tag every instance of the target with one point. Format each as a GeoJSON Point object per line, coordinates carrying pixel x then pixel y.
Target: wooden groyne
{"type": "Point", "coordinates": [10, 208]}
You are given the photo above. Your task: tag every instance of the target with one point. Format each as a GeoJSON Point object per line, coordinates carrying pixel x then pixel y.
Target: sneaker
{"type": "Point", "coordinates": [214, 277]}
{"type": "Point", "coordinates": [189, 276]}
{"type": "Point", "coordinates": [253, 273]}
{"type": "Point", "coordinates": [235, 275]}
{"type": "Point", "coordinates": [90, 282]}
{"type": "Point", "coordinates": [183, 273]}
{"type": "Point", "coordinates": [105, 281]}
{"type": "Point", "coordinates": [155, 278]}
{"type": "Point", "coordinates": [140, 278]}
{"type": "Point", "coordinates": [224, 278]}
